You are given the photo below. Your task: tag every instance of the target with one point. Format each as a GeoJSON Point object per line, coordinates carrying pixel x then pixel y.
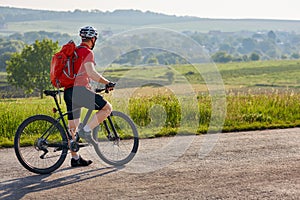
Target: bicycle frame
{"type": "Point", "coordinates": [105, 139]}
{"type": "Point", "coordinates": [85, 121]}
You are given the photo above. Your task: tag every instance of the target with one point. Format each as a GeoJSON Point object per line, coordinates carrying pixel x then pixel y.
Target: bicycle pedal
{"type": "Point", "coordinates": [83, 144]}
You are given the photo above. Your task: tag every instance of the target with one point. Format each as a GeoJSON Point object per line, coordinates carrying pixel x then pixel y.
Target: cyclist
{"type": "Point", "coordinates": [80, 94]}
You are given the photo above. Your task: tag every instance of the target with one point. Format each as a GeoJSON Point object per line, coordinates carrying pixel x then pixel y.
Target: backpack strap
{"type": "Point", "coordinates": [76, 56]}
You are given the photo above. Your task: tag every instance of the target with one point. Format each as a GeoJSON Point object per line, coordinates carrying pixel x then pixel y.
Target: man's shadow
{"type": "Point", "coordinates": [19, 187]}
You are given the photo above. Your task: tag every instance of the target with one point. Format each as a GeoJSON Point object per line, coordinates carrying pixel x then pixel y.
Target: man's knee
{"type": "Point", "coordinates": [107, 109]}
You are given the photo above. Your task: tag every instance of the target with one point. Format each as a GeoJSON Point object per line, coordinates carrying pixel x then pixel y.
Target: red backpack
{"type": "Point", "coordinates": [62, 71]}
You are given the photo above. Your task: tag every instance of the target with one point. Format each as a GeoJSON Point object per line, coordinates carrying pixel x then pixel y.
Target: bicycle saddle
{"type": "Point", "coordinates": [52, 93]}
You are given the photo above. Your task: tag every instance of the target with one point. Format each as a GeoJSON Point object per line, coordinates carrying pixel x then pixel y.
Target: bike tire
{"type": "Point", "coordinates": [30, 146]}
{"type": "Point", "coordinates": [121, 152]}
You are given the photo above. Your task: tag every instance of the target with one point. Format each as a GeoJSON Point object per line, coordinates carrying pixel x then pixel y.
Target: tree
{"type": "Point", "coordinates": [152, 61]}
{"type": "Point", "coordinates": [271, 35]}
{"type": "Point", "coordinates": [295, 55]}
{"type": "Point", "coordinates": [30, 69]}
{"type": "Point", "coordinates": [248, 45]}
{"type": "Point", "coordinates": [221, 57]}
{"type": "Point", "coordinates": [254, 56]}
{"type": "Point", "coordinates": [134, 57]}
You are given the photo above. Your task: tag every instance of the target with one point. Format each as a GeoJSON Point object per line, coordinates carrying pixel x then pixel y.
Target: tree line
{"type": "Point", "coordinates": [28, 65]}
{"type": "Point", "coordinates": [248, 45]}
{"type": "Point", "coordinates": [221, 46]}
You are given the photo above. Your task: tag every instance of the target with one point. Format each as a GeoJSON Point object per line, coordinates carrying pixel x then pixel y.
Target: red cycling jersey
{"type": "Point", "coordinates": [85, 54]}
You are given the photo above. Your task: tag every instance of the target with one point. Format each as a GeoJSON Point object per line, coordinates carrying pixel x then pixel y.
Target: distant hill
{"type": "Point", "coordinates": [129, 17]}
{"type": "Point", "coordinates": [23, 20]}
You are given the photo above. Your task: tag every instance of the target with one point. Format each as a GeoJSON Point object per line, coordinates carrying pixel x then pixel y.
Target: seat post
{"type": "Point", "coordinates": [57, 105]}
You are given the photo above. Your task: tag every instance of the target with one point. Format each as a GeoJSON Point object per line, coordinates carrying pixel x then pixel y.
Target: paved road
{"type": "Point", "coordinates": [245, 165]}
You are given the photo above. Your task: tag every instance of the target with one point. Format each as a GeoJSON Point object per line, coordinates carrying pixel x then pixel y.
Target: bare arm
{"type": "Point", "coordinates": [93, 74]}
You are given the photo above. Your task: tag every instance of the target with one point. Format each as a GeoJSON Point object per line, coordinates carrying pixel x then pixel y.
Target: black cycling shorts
{"type": "Point", "coordinates": [78, 97]}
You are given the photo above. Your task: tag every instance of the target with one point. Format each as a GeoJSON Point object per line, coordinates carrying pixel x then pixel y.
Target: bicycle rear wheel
{"type": "Point", "coordinates": [41, 144]}
{"type": "Point", "coordinates": [112, 150]}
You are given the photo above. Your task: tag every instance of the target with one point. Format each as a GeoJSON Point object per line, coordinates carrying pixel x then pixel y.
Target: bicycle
{"type": "Point", "coordinates": [115, 140]}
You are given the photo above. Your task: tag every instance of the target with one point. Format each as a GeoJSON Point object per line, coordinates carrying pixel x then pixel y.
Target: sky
{"type": "Point", "coordinates": [229, 9]}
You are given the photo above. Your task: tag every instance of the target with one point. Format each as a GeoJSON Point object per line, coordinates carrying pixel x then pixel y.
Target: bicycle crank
{"type": "Point", "coordinates": [74, 146]}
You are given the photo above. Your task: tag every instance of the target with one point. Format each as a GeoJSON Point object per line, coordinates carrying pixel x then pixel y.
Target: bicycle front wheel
{"type": "Point", "coordinates": [41, 144]}
{"type": "Point", "coordinates": [112, 150]}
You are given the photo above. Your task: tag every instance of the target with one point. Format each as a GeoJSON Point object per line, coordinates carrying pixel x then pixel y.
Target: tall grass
{"type": "Point", "coordinates": [247, 111]}
{"type": "Point", "coordinates": [14, 111]}
{"type": "Point", "coordinates": [139, 109]}
{"type": "Point", "coordinates": [161, 115]}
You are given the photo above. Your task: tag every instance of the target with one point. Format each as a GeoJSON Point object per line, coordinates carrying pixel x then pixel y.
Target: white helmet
{"type": "Point", "coordinates": [88, 32]}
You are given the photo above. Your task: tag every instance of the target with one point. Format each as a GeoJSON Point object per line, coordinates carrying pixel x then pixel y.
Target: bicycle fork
{"type": "Point", "coordinates": [111, 135]}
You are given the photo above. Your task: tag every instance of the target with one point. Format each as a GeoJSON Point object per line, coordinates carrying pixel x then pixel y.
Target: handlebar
{"type": "Point", "coordinates": [99, 90]}
{"type": "Point", "coordinates": [108, 87]}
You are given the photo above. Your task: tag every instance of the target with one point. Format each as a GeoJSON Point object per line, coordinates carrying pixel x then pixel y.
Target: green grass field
{"type": "Point", "coordinates": [259, 95]}
{"type": "Point", "coordinates": [262, 73]}
{"type": "Point", "coordinates": [257, 75]}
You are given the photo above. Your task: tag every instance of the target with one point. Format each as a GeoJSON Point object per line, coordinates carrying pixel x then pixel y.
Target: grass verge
{"type": "Point", "coordinates": [163, 115]}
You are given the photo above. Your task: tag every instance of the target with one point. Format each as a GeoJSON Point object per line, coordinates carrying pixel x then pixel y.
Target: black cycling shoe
{"type": "Point", "coordinates": [80, 162]}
